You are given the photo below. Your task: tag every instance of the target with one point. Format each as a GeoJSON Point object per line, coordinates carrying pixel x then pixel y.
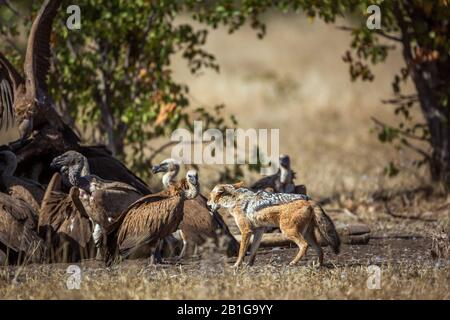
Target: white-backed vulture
{"type": "Point", "coordinates": [103, 200]}
{"type": "Point", "coordinates": [199, 223]}
{"type": "Point", "coordinates": [19, 188]}
{"type": "Point", "coordinates": [64, 224]}
{"type": "Point", "coordinates": [137, 232]}
{"type": "Point", "coordinates": [111, 198]}
{"type": "Point", "coordinates": [282, 181]}
{"type": "Point", "coordinates": [19, 241]}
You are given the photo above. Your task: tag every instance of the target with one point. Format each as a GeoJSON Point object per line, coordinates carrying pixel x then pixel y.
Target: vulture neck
{"type": "Point", "coordinates": [76, 173]}
{"type": "Point", "coordinates": [285, 175]}
{"type": "Point", "coordinates": [168, 179]}
{"type": "Point", "coordinates": [192, 191]}
{"type": "Point", "coordinates": [85, 171]}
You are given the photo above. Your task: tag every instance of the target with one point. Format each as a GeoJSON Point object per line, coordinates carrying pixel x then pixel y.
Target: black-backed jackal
{"type": "Point", "coordinates": [296, 215]}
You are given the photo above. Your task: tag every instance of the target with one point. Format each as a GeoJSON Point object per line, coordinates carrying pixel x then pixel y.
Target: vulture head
{"type": "Point", "coordinates": [166, 166]}
{"type": "Point", "coordinates": [170, 168]}
{"type": "Point", "coordinates": [74, 168]}
{"type": "Point", "coordinates": [285, 161]}
{"type": "Point", "coordinates": [68, 159]}
{"type": "Point", "coordinates": [193, 186]}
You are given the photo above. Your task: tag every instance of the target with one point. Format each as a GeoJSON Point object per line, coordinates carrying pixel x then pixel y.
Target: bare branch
{"type": "Point", "coordinates": [160, 149]}
{"type": "Point", "coordinates": [417, 149]}
{"type": "Point", "coordinates": [395, 215]}
{"type": "Point", "coordinates": [402, 132]}
{"type": "Point", "coordinates": [10, 7]}
{"type": "Point", "coordinates": [378, 32]}
{"type": "Point", "coordinates": [402, 99]}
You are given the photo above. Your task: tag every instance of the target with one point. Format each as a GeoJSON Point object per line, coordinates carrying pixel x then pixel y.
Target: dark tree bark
{"type": "Point", "coordinates": [431, 77]}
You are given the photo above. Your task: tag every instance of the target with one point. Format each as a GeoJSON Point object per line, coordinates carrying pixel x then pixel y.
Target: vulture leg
{"type": "Point", "coordinates": [185, 244]}
{"type": "Point", "coordinates": [99, 240]}
{"type": "Point", "coordinates": [3, 258]}
{"type": "Point", "coordinates": [156, 257]}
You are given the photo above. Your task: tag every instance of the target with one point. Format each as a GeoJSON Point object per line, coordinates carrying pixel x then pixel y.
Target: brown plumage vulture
{"type": "Point", "coordinates": [282, 181]}
{"type": "Point", "coordinates": [19, 241]}
{"type": "Point", "coordinates": [64, 224]}
{"type": "Point", "coordinates": [137, 232]}
{"type": "Point", "coordinates": [19, 188]}
{"type": "Point", "coordinates": [199, 223]}
{"type": "Point", "coordinates": [104, 200]}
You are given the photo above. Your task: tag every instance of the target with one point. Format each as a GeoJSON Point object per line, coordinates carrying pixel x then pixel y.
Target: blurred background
{"type": "Point", "coordinates": [293, 79]}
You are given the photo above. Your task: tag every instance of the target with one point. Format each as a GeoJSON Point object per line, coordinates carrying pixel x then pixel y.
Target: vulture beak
{"type": "Point", "coordinates": [193, 179]}
{"type": "Point", "coordinates": [160, 168]}
{"type": "Point", "coordinates": [57, 163]}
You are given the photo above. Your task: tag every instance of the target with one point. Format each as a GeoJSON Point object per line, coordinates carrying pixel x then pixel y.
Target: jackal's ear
{"type": "Point", "coordinates": [231, 188]}
{"type": "Point", "coordinates": [219, 189]}
{"type": "Point", "coordinates": [238, 185]}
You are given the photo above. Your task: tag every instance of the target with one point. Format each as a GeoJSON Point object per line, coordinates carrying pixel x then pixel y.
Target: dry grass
{"type": "Point", "coordinates": [270, 279]}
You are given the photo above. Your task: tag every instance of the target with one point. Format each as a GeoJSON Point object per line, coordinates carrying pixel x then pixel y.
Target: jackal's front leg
{"type": "Point", "coordinates": [243, 248]}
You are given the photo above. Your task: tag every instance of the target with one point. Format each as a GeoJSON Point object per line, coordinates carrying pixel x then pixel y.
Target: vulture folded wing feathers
{"type": "Point", "coordinates": [110, 203]}
{"type": "Point", "coordinates": [17, 229]}
{"type": "Point", "coordinates": [64, 223]}
{"type": "Point", "coordinates": [148, 221]}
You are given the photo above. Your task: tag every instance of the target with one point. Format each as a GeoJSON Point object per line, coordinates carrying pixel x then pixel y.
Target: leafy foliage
{"type": "Point", "coordinates": [115, 73]}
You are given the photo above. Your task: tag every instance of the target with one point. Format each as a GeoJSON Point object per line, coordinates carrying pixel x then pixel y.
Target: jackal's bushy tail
{"type": "Point", "coordinates": [326, 228]}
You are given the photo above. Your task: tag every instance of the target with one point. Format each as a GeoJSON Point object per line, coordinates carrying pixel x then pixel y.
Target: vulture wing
{"type": "Point", "coordinates": [28, 191]}
{"type": "Point", "coordinates": [17, 224]}
{"type": "Point", "coordinates": [62, 216]}
{"type": "Point", "coordinates": [37, 59]}
{"type": "Point", "coordinates": [149, 220]}
{"type": "Point", "coordinates": [9, 82]}
{"type": "Point", "coordinates": [199, 224]}
{"type": "Point", "coordinates": [264, 183]}
{"type": "Point", "coordinates": [104, 165]}
{"type": "Point", "coordinates": [111, 202]}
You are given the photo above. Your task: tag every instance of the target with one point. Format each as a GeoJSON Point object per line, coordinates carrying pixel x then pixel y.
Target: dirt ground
{"type": "Point", "coordinates": [400, 248]}
{"type": "Point", "coordinates": [407, 272]}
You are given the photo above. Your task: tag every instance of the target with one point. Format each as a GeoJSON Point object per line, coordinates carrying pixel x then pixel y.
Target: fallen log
{"type": "Point", "coordinates": [357, 234]}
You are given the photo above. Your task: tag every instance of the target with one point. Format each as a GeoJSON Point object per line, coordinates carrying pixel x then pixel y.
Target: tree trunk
{"type": "Point", "coordinates": [438, 120]}
{"type": "Point", "coordinates": [429, 77]}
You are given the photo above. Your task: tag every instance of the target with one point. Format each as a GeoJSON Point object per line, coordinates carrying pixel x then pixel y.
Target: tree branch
{"type": "Point", "coordinates": [404, 133]}
{"type": "Point", "coordinates": [395, 215]}
{"type": "Point", "coordinates": [417, 149]}
{"type": "Point", "coordinates": [160, 149]}
{"type": "Point", "coordinates": [10, 7]}
{"type": "Point", "coordinates": [378, 32]}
